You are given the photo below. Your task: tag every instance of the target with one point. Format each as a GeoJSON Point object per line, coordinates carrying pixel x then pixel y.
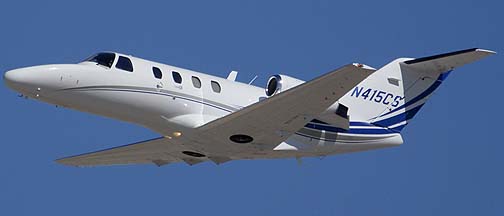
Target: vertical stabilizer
{"type": "Point", "coordinates": [395, 93]}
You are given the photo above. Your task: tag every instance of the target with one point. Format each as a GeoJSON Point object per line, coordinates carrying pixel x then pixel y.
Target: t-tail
{"type": "Point", "coordinates": [394, 94]}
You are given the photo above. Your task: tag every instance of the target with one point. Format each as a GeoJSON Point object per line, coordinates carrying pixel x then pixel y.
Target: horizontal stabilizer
{"type": "Point", "coordinates": [447, 61]}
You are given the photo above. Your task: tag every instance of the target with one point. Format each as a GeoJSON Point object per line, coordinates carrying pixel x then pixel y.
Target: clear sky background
{"type": "Point", "coordinates": [450, 164]}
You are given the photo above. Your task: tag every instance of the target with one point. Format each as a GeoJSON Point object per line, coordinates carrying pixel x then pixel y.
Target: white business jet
{"type": "Point", "coordinates": [207, 118]}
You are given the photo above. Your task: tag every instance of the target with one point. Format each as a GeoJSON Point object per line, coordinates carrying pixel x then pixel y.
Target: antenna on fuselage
{"type": "Point", "coordinates": [232, 75]}
{"type": "Point", "coordinates": [253, 79]}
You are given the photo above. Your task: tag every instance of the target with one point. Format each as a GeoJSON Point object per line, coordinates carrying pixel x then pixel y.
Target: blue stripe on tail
{"type": "Point", "coordinates": [409, 114]}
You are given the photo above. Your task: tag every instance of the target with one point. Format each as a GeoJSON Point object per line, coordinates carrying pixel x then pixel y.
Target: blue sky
{"type": "Point", "coordinates": [451, 162]}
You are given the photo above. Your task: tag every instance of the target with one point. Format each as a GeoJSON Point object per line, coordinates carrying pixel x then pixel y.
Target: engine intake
{"type": "Point", "coordinates": [279, 83]}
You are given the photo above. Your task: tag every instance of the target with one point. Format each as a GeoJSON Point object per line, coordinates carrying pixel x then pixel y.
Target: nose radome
{"type": "Point", "coordinates": [22, 77]}
{"type": "Point", "coordinates": [41, 78]}
{"type": "Point", "coordinates": [28, 79]}
{"type": "Point", "coordinates": [8, 76]}
{"type": "Point", "coordinates": [15, 79]}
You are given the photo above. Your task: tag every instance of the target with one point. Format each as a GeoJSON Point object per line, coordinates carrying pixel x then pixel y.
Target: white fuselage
{"type": "Point", "coordinates": [166, 106]}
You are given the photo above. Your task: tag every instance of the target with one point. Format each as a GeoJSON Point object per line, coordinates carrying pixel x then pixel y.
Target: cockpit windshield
{"type": "Point", "coordinates": [105, 59]}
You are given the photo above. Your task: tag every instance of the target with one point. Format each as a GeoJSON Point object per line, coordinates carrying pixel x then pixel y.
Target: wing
{"type": "Point", "coordinates": [160, 151]}
{"type": "Point", "coordinates": [271, 121]}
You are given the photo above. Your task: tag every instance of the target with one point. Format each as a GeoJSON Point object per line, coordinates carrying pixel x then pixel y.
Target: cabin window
{"type": "Point", "coordinates": [157, 72]}
{"type": "Point", "coordinates": [216, 87]}
{"type": "Point", "coordinates": [124, 63]}
{"type": "Point", "coordinates": [196, 82]}
{"type": "Point", "coordinates": [176, 77]}
{"type": "Point", "coordinates": [104, 59]}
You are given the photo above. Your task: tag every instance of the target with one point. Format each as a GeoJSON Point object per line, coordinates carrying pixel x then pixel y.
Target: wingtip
{"type": "Point", "coordinates": [359, 65]}
{"type": "Point", "coordinates": [490, 52]}
{"type": "Point", "coordinates": [63, 162]}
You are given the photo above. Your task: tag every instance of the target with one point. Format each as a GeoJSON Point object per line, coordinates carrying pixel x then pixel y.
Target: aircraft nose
{"type": "Point", "coordinates": [13, 77]}
{"type": "Point", "coordinates": [27, 80]}
{"type": "Point", "coordinates": [40, 79]}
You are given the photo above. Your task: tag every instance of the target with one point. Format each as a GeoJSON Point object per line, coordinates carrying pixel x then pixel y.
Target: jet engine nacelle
{"type": "Point", "coordinates": [279, 83]}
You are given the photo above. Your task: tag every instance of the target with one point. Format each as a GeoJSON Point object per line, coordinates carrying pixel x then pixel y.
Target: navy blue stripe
{"type": "Point", "coordinates": [399, 128]}
{"type": "Point", "coordinates": [424, 94]}
{"type": "Point", "coordinates": [429, 58]}
{"type": "Point", "coordinates": [399, 118]}
{"type": "Point", "coordinates": [444, 75]}
{"type": "Point", "coordinates": [351, 130]}
{"type": "Point", "coordinates": [361, 124]}
{"type": "Point", "coordinates": [325, 127]}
